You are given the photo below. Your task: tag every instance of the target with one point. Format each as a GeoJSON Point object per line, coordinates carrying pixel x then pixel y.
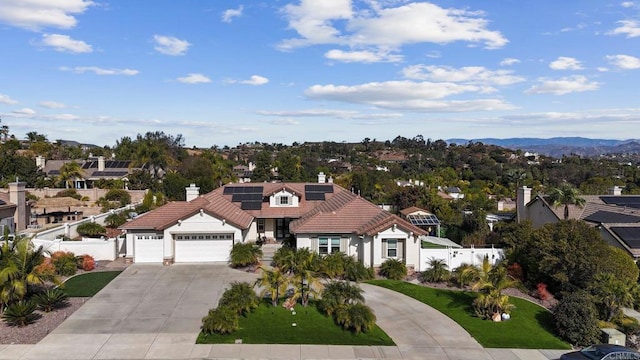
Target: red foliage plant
{"type": "Point", "coordinates": [88, 263]}
{"type": "Point", "coordinates": [542, 292]}
{"type": "Point", "coordinates": [46, 267]}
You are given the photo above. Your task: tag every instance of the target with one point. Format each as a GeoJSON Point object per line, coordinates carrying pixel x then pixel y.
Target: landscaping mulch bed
{"type": "Point", "coordinates": [35, 332]}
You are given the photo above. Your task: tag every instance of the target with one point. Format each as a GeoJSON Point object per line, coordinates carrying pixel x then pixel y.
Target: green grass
{"type": "Point", "coordinates": [88, 284]}
{"type": "Point", "coordinates": [530, 326]}
{"type": "Point", "coordinates": [272, 325]}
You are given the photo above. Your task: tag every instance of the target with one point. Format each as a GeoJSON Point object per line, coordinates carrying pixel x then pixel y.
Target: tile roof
{"type": "Point", "coordinates": [411, 210]}
{"type": "Point", "coordinates": [169, 214]}
{"type": "Point", "coordinates": [593, 205]}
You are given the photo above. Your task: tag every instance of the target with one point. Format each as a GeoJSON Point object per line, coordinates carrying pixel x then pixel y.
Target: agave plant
{"type": "Point", "coordinates": [51, 299]}
{"type": "Point", "coordinates": [21, 313]}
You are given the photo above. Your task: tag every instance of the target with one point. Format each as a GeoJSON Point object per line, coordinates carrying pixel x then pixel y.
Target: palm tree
{"type": "Point", "coordinates": [70, 171]}
{"type": "Point", "coordinates": [490, 283]}
{"type": "Point", "coordinates": [273, 282]}
{"type": "Point", "coordinates": [466, 274]}
{"type": "Point", "coordinates": [611, 293]}
{"type": "Point", "coordinates": [356, 317]}
{"type": "Point", "coordinates": [566, 195]}
{"type": "Point", "coordinates": [19, 262]}
{"type": "Point", "coordinates": [240, 297]}
{"type": "Point", "coordinates": [333, 265]}
{"type": "Point", "coordinates": [303, 264]}
{"type": "Point", "coordinates": [438, 271]}
{"type": "Point", "coordinates": [337, 294]}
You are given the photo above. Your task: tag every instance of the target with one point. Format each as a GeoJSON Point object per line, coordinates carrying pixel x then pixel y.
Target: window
{"type": "Point", "coordinates": [392, 248]}
{"type": "Point", "coordinates": [284, 200]}
{"type": "Point", "coordinates": [328, 245]}
{"type": "Point", "coordinates": [260, 225]}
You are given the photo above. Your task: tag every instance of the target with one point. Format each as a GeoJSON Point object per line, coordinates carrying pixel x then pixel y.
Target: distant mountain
{"type": "Point", "coordinates": [559, 146]}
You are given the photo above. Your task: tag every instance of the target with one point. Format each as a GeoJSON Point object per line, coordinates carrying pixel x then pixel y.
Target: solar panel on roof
{"type": "Point", "coordinates": [611, 217]}
{"type": "Point", "coordinates": [314, 196]}
{"type": "Point", "coordinates": [247, 197]}
{"type": "Point", "coordinates": [87, 165]}
{"type": "Point", "coordinates": [423, 220]}
{"type": "Point", "coordinates": [319, 188]}
{"type": "Point", "coordinates": [630, 235]}
{"type": "Point", "coordinates": [628, 201]}
{"type": "Point", "coordinates": [228, 190]}
{"type": "Point", "coordinates": [251, 205]}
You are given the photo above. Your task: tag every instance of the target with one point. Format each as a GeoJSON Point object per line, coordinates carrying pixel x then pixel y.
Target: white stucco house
{"type": "Point", "coordinates": [321, 216]}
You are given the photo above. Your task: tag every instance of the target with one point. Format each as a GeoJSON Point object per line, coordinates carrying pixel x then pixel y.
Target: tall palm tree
{"type": "Point", "coordinates": [70, 171]}
{"type": "Point", "coordinates": [337, 294]}
{"type": "Point", "coordinates": [492, 280]}
{"type": "Point", "coordinates": [566, 195]}
{"type": "Point", "coordinates": [273, 282]}
{"type": "Point", "coordinates": [303, 265]}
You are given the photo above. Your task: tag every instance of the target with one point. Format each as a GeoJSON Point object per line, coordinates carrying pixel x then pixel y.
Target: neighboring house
{"type": "Point", "coordinates": [14, 209]}
{"type": "Point", "coordinates": [93, 168]}
{"type": "Point", "coordinates": [617, 216]}
{"type": "Point", "coordinates": [244, 172]}
{"type": "Point", "coordinates": [455, 192]}
{"type": "Point", "coordinates": [321, 216]}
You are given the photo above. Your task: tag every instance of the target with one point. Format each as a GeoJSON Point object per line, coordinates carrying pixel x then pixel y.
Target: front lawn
{"type": "Point", "coordinates": [530, 326]}
{"type": "Point", "coordinates": [273, 325]}
{"type": "Point", "coordinates": [88, 284]}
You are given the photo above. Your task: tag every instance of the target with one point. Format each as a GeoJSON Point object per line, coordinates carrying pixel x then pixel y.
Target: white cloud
{"type": "Point", "coordinates": [509, 61]}
{"type": "Point", "coordinates": [310, 113]}
{"type": "Point", "coordinates": [24, 111]}
{"type": "Point", "coordinates": [255, 80]}
{"type": "Point", "coordinates": [316, 22]}
{"type": "Point", "coordinates": [37, 14]}
{"type": "Point", "coordinates": [194, 78]}
{"type": "Point", "coordinates": [468, 75]}
{"type": "Point", "coordinates": [631, 28]}
{"type": "Point", "coordinates": [100, 71]}
{"type": "Point", "coordinates": [563, 86]}
{"type": "Point", "coordinates": [362, 56]}
{"type": "Point", "coordinates": [64, 43]}
{"type": "Point", "coordinates": [6, 99]}
{"type": "Point", "coordinates": [229, 14]}
{"type": "Point", "coordinates": [625, 62]}
{"type": "Point", "coordinates": [408, 96]}
{"type": "Point", "coordinates": [566, 63]}
{"type": "Point", "coordinates": [284, 122]}
{"type": "Point", "coordinates": [52, 104]}
{"type": "Point", "coordinates": [170, 45]}
{"type": "Point", "coordinates": [627, 4]}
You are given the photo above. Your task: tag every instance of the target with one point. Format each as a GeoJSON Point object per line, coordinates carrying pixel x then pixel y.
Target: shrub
{"type": "Point", "coordinates": [51, 299]}
{"type": "Point", "coordinates": [393, 269]}
{"type": "Point", "coordinates": [332, 265]}
{"type": "Point", "coordinates": [115, 220]}
{"type": "Point", "coordinates": [245, 254]}
{"type": "Point", "coordinates": [466, 274]}
{"type": "Point", "coordinates": [337, 294]}
{"type": "Point", "coordinates": [356, 271]}
{"type": "Point", "coordinates": [437, 271]}
{"type": "Point", "coordinates": [576, 319]}
{"type": "Point", "coordinates": [86, 262]}
{"type": "Point", "coordinates": [355, 317]}
{"type": "Point", "coordinates": [281, 255]}
{"type": "Point", "coordinates": [64, 262]}
{"type": "Point", "coordinates": [120, 195]}
{"type": "Point", "coordinates": [220, 321]}
{"type": "Point", "coordinates": [72, 193]}
{"type": "Point", "coordinates": [20, 313]}
{"type": "Point", "coordinates": [240, 298]}
{"type": "Point", "coordinates": [515, 271]}
{"type": "Point", "coordinates": [46, 268]}
{"type": "Point", "coordinates": [542, 292]}
{"type": "Point", "coordinates": [91, 229]}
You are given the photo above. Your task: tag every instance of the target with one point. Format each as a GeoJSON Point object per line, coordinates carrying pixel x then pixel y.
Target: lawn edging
{"type": "Point", "coordinates": [530, 327]}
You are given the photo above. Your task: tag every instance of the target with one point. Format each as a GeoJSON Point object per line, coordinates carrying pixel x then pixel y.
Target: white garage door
{"type": "Point", "coordinates": [202, 247]}
{"type": "Point", "coordinates": [148, 250]}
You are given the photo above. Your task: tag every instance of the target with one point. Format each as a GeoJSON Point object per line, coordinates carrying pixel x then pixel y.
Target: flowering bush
{"type": "Point", "coordinates": [88, 263]}
{"type": "Point", "coordinates": [46, 268]}
{"type": "Point", "coordinates": [64, 262]}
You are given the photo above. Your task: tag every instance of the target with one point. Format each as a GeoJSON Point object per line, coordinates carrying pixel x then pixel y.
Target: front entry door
{"type": "Point", "coordinates": [282, 228]}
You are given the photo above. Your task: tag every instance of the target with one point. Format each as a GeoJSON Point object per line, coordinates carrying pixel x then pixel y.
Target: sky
{"type": "Point", "coordinates": [222, 72]}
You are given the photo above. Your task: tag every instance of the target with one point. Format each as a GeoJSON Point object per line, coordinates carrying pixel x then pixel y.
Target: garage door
{"type": "Point", "coordinates": [202, 247]}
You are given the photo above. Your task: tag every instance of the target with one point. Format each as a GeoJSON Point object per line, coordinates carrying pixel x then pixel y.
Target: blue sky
{"type": "Point", "coordinates": [228, 72]}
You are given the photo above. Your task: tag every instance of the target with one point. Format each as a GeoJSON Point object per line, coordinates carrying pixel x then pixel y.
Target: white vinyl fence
{"type": "Point", "coordinates": [455, 257]}
{"type": "Point", "coordinates": [100, 249]}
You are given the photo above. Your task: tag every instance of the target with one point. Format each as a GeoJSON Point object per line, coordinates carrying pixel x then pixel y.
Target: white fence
{"type": "Point", "coordinates": [99, 249]}
{"type": "Point", "coordinates": [455, 257]}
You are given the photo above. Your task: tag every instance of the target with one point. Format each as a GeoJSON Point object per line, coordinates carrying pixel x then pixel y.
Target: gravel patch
{"type": "Point", "coordinates": [35, 332]}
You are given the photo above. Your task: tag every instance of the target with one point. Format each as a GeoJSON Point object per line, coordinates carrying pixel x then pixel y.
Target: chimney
{"type": "Point", "coordinates": [100, 163]}
{"type": "Point", "coordinates": [192, 192]}
{"type": "Point", "coordinates": [330, 179]}
{"type": "Point", "coordinates": [40, 162]}
{"type": "Point", "coordinates": [322, 178]}
{"type": "Point", "coordinates": [615, 191]}
{"type": "Point", "coordinates": [17, 196]}
{"type": "Point", "coordinates": [523, 197]}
